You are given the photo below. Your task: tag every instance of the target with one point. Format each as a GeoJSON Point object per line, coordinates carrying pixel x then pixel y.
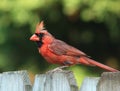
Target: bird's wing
{"type": "Point", "coordinates": [61, 48]}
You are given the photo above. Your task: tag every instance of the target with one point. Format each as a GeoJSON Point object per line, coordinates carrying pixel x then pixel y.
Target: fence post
{"type": "Point", "coordinates": [109, 81]}
{"type": "Point", "coordinates": [15, 81]}
{"type": "Point", "coordinates": [55, 81]}
{"type": "Point", "coordinates": [89, 84]}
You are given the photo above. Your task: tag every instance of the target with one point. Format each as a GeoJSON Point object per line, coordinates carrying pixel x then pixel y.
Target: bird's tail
{"type": "Point", "coordinates": [88, 61]}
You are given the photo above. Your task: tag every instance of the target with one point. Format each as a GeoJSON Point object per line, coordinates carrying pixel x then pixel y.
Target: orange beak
{"type": "Point", "coordinates": [34, 38]}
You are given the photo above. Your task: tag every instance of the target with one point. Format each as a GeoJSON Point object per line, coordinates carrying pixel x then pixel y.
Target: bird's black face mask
{"type": "Point", "coordinates": [39, 43]}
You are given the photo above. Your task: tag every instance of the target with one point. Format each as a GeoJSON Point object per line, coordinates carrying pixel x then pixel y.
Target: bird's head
{"type": "Point", "coordinates": [41, 35]}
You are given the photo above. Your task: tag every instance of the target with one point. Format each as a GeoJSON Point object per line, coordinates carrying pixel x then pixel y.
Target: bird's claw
{"type": "Point", "coordinates": [58, 69]}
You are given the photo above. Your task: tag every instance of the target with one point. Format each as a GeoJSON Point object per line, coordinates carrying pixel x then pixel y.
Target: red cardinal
{"type": "Point", "coordinates": [58, 52]}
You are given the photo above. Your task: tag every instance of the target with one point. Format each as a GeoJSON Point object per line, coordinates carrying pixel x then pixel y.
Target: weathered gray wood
{"type": "Point", "coordinates": [109, 81]}
{"type": "Point", "coordinates": [89, 84]}
{"type": "Point", "coordinates": [0, 78]}
{"type": "Point", "coordinates": [72, 80]}
{"type": "Point", "coordinates": [55, 81]}
{"type": "Point", "coordinates": [58, 80]}
{"type": "Point", "coordinates": [15, 81]}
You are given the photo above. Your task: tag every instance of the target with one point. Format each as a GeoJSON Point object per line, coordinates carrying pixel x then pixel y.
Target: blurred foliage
{"type": "Point", "coordinates": [90, 25]}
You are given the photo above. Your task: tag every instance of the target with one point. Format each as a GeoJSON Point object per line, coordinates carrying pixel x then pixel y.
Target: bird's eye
{"type": "Point", "coordinates": [40, 34]}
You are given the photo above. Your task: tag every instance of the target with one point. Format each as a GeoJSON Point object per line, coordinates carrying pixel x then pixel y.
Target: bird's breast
{"type": "Point", "coordinates": [48, 55]}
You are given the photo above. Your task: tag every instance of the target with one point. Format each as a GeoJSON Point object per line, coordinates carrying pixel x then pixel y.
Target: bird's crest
{"type": "Point", "coordinates": [40, 27]}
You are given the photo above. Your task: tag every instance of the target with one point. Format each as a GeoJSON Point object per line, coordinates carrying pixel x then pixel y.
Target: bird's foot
{"type": "Point", "coordinates": [57, 69]}
{"type": "Point", "coordinates": [61, 67]}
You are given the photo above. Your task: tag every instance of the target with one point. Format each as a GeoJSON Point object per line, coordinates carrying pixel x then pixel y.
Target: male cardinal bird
{"type": "Point", "coordinates": [58, 52]}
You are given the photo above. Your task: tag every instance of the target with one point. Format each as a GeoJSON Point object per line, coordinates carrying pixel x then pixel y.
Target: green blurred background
{"type": "Point", "coordinates": [92, 26]}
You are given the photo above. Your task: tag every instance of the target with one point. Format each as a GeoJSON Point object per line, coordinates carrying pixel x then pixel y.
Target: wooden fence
{"type": "Point", "coordinates": [58, 81]}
